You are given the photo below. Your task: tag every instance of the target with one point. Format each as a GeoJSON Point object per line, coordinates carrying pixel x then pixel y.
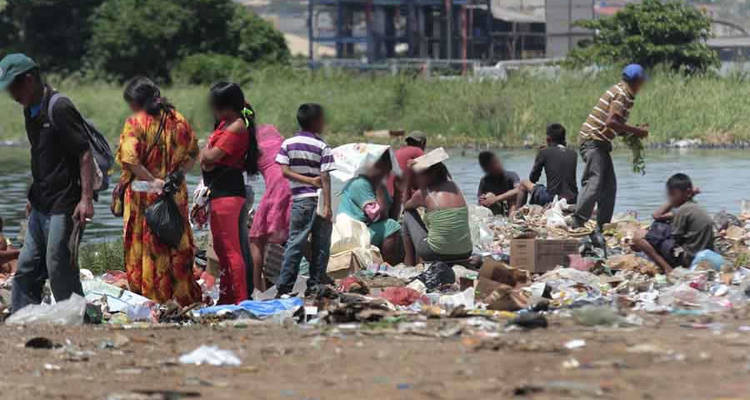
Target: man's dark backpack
{"type": "Point", "coordinates": [100, 149]}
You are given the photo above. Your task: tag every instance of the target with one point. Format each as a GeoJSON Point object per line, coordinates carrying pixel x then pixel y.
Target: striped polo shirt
{"type": "Point", "coordinates": [306, 154]}
{"type": "Point", "coordinates": [617, 100]}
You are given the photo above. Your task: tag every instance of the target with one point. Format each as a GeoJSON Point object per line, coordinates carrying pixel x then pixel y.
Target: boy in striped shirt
{"type": "Point", "coordinates": [607, 120]}
{"type": "Point", "coordinates": [306, 161]}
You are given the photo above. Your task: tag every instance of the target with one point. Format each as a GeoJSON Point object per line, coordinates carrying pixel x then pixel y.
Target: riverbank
{"type": "Point", "coordinates": [454, 112]}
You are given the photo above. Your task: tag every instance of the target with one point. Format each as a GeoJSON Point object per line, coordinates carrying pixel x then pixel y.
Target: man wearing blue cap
{"type": "Point", "coordinates": [608, 119]}
{"type": "Point", "coordinates": [61, 193]}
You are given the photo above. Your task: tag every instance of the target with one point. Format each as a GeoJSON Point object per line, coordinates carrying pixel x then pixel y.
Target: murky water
{"type": "Point", "coordinates": [721, 174]}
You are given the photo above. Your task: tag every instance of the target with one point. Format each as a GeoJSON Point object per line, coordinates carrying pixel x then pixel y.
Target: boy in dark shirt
{"type": "Point", "coordinates": [498, 189]}
{"type": "Point", "coordinates": [559, 164]}
{"type": "Point", "coordinates": [680, 230]}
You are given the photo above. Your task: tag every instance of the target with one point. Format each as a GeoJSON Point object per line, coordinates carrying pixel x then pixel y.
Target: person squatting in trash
{"type": "Point", "coordinates": [559, 164]}
{"type": "Point", "coordinates": [443, 234]}
{"type": "Point", "coordinates": [306, 161]}
{"type": "Point", "coordinates": [231, 150]}
{"type": "Point", "coordinates": [365, 198]}
{"type": "Point", "coordinates": [60, 199]}
{"type": "Point", "coordinates": [607, 120]}
{"type": "Point", "coordinates": [157, 145]}
{"type": "Point", "coordinates": [681, 227]}
{"type": "Point", "coordinates": [499, 188]}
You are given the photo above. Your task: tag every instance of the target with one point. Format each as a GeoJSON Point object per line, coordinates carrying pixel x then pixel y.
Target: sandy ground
{"type": "Point", "coordinates": [668, 358]}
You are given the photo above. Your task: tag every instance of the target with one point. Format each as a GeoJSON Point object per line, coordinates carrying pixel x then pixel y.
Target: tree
{"type": "Point", "coordinates": [53, 32]}
{"type": "Point", "coordinates": [653, 32]}
{"type": "Point", "coordinates": [138, 37]}
{"type": "Point", "coordinates": [152, 36]}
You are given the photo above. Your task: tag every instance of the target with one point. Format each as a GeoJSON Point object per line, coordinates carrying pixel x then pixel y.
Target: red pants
{"type": "Point", "coordinates": [225, 229]}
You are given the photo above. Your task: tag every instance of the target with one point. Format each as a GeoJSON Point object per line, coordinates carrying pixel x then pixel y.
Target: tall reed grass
{"type": "Point", "coordinates": [458, 111]}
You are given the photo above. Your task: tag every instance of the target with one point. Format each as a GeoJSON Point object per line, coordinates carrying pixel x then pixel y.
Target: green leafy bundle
{"type": "Point", "coordinates": [639, 160]}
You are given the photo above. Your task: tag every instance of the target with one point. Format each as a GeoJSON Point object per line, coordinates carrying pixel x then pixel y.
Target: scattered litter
{"type": "Point", "coordinates": [210, 355]}
{"type": "Point", "coordinates": [575, 344]}
{"type": "Point", "coordinates": [67, 312]}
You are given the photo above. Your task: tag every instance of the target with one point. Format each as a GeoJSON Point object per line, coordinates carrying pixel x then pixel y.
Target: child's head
{"type": "Point", "coordinates": [490, 163]}
{"type": "Point", "coordinates": [555, 134]}
{"type": "Point", "coordinates": [311, 117]}
{"type": "Point", "coordinates": [679, 189]}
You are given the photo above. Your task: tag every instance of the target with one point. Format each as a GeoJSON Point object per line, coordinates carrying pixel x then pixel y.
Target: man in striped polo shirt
{"type": "Point", "coordinates": [306, 161]}
{"type": "Point", "coordinates": [607, 120]}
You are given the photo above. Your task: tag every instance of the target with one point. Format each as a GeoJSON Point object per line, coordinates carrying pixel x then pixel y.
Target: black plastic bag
{"type": "Point", "coordinates": [165, 220]}
{"type": "Point", "coordinates": [437, 275]}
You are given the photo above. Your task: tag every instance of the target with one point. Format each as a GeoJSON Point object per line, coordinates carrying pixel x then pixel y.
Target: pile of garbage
{"type": "Point", "coordinates": [601, 281]}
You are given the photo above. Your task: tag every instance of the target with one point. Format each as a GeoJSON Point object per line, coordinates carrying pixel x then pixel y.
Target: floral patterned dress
{"type": "Point", "coordinates": [154, 269]}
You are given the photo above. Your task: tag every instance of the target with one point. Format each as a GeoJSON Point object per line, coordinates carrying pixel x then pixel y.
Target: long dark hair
{"type": "Point", "coordinates": [227, 95]}
{"type": "Point", "coordinates": [144, 93]}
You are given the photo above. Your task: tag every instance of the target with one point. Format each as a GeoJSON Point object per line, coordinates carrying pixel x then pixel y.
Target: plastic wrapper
{"type": "Point", "coordinates": [437, 275]}
{"type": "Point", "coordinates": [210, 355]}
{"type": "Point", "coordinates": [67, 312]}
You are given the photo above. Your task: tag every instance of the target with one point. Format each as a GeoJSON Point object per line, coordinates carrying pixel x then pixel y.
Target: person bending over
{"type": "Point", "coordinates": [559, 164]}
{"type": "Point", "coordinates": [444, 234]}
{"type": "Point", "coordinates": [365, 198]}
{"type": "Point", "coordinates": [499, 189]}
{"type": "Point", "coordinates": [607, 120]}
{"type": "Point", "coordinates": [680, 230]}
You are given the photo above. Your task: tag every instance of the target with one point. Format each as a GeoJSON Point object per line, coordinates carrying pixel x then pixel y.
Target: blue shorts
{"type": "Point", "coordinates": [540, 196]}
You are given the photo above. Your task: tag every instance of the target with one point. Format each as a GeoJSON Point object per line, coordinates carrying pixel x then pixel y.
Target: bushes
{"type": "Point", "coordinates": [206, 68]}
{"type": "Point", "coordinates": [131, 37]}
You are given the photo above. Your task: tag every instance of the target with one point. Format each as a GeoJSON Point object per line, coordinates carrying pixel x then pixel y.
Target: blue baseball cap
{"type": "Point", "coordinates": [634, 72]}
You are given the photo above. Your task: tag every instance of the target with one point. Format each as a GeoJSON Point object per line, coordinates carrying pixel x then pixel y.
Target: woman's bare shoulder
{"type": "Point", "coordinates": [237, 126]}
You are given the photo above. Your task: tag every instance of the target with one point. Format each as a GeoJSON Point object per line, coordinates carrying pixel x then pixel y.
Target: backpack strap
{"type": "Point", "coordinates": [51, 106]}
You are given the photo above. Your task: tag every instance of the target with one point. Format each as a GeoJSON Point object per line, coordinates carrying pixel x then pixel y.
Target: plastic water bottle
{"type": "Point", "coordinates": [143, 186]}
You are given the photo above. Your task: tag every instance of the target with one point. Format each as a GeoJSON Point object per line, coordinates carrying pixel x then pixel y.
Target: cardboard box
{"type": "Point", "coordinates": [541, 255]}
{"type": "Point", "coordinates": [343, 264]}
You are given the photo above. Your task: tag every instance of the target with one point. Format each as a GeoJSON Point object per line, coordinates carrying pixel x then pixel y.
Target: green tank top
{"type": "Point", "coordinates": [448, 231]}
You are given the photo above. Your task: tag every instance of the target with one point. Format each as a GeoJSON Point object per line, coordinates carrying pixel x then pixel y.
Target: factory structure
{"type": "Point", "coordinates": [484, 30]}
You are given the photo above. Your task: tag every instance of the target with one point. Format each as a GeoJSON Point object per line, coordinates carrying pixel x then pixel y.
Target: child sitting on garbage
{"type": "Point", "coordinates": [499, 189]}
{"type": "Point", "coordinates": [559, 164]}
{"type": "Point", "coordinates": [680, 230]}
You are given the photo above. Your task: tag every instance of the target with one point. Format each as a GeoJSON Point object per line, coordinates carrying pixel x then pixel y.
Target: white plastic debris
{"type": "Point", "coordinates": [67, 312]}
{"type": "Point", "coordinates": [210, 355]}
{"type": "Point", "coordinates": [575, 344]}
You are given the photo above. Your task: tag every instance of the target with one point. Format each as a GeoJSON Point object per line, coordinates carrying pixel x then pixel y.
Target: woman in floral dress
{"type": "Point", "coordinates": [156, 270]}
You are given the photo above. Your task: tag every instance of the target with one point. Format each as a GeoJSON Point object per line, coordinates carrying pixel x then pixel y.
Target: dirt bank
{"type": "Point", "coordinates": [660, 360]}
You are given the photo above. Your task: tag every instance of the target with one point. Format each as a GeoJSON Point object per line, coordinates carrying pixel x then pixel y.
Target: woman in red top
{"type": "Point", "coordinates": [231, 150]}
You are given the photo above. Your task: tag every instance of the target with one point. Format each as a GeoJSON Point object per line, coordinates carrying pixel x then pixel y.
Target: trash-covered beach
{"type": "Point", "coordinates": [591, 327]}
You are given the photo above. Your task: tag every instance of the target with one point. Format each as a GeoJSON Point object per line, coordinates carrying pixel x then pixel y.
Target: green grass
{"type": "Point", "coordinates": [101, 257]}
{"type": "Point", "coordinates": [453, 112]}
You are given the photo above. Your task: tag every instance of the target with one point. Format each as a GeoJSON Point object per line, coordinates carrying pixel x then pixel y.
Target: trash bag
{"type": "Point", "coordinates": [708, 259]}
{"type": "Point", "coordinates": [66, 312]}
{"type": "Point", "coordinates": [165, 220]}
{"type": "Point", "coordinates": [437, 275]}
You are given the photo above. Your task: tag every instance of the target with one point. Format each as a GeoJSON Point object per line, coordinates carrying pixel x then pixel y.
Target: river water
{"type": "Point", "coordinates": [721, 174]}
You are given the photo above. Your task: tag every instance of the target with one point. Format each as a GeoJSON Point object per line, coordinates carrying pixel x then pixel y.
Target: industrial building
{"type": "Point", "coordinates": [485, 30]}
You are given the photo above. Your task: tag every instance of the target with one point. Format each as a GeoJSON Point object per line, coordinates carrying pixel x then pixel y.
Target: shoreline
{"type": "Point", "coordinates": [336, 140]}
